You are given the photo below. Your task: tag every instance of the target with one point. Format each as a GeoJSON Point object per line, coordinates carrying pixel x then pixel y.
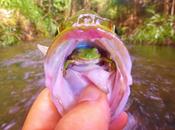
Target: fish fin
{"type": "Point", "coordinates": [42, 48]}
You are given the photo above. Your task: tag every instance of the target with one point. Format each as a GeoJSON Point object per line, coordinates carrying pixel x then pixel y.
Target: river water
{"type": "Point", "coordinates": [151, 105]}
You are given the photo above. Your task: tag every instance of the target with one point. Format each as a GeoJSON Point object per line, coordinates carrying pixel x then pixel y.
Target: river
{"type": "Point", "coordinates": [151, 105]}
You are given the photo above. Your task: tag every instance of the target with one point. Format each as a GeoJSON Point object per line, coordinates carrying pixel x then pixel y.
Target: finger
{"type": "Point", "coordinates": [43, 114]}
{"type": "Point", "coordinates": [120, 122]}
{"type": "Point", "coordinates": [92, 112]}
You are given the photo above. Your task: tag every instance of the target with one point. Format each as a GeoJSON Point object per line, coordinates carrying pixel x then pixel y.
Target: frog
{"type": "Point", "coordinates": [83, 56]}
{"type": "Point", "coordinates": [89, 56]}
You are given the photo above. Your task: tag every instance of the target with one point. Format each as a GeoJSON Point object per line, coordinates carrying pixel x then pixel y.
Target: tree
{"type": "Point", "coordinates": [166, 6]}
{"type": "Point", "coordinates": [172, 7]}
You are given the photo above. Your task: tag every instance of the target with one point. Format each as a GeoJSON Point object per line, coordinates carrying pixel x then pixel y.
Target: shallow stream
{"type": "Point", "coordinates": [152, 101]}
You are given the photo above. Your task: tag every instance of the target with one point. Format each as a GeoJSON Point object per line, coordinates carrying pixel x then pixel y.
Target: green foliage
{"type": "Point", "coordinates": [26, 14]}
{"type": "Point", "coordinates": [155, 30]}
{"type": "Point", "coordinates": [30, 16]}
{"type": "Point", "coordinates": [54, 12]}
{"type": "Point", "coordinates": [41, 18]}
{"type": "Point", "coordinates": [8, 36]}
{"type": "Point", "coordinates": [111, 9]}
{"type": "Point", "coordinates": [61, 5]}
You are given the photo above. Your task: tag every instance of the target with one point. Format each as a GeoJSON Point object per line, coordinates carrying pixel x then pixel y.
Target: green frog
{"type": "Point", "coordinates": [83, 56]}
{"type": "Point", "coordinates": [89, 56]}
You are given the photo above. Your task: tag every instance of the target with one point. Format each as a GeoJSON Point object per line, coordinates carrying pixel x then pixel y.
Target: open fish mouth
{"type": "Point", "coordinates": [110, 72]}
{"type": "Point", "coordinates": [86, 54]}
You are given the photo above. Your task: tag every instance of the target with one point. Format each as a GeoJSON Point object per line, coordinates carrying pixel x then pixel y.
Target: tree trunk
{"type": "Point", "coordinates": [50, 6]}
{"type": "Point", "coordinates": [86, 4]}
{"type": "Point", "coordinates": [73, 7]}
{"type": "Point", "coordinates": [166, 6]}
{"type": "Point", "coordinates": [172, 7]}
{"type": "Point", "coordinates": [135, 7]}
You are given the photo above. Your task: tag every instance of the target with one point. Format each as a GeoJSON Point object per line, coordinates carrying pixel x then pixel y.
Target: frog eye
{"type": "Point", "coordinates": [95, 50]}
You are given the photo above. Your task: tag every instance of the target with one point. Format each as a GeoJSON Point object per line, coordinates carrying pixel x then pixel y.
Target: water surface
{"type": "Point", "coordinates": [21, 79]}
{"type": "Point", "coordinates": [152, 101]}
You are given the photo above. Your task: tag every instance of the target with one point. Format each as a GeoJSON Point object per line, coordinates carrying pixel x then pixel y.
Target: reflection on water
{"type": "Point", "coordinates": [151, 105]}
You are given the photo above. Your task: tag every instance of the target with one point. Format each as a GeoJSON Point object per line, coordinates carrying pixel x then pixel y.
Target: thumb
{"type": "Point", "coordinates": [91, 113]}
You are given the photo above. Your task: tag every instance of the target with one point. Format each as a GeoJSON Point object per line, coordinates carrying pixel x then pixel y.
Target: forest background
{"type": "Point", "coordinates": [136, 21]}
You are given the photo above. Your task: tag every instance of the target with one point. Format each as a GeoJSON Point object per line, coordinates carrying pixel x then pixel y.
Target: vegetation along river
{"type": "Point", "coordinates": [152, 101]}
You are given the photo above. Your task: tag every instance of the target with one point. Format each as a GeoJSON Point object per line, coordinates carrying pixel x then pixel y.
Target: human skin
{"type": "Point", "coordinates": [91, 113]}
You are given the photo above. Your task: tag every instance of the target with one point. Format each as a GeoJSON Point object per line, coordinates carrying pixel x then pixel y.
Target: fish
{"type": "Point", "coordinates": [87, 30]}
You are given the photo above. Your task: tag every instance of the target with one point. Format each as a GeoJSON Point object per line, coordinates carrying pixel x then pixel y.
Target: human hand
{"type": "Point", "coordinates": [91, 113]}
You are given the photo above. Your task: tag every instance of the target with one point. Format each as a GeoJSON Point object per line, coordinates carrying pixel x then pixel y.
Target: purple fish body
{"type": "Point", "coordinates": [88, 30]}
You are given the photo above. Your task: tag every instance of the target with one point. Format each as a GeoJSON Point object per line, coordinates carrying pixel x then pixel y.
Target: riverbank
{"type": "Point", "coordinates": [137, 22]}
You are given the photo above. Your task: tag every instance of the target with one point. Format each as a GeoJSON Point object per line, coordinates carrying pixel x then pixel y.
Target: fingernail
{"type": "Point", "coordinates": [90, 94]}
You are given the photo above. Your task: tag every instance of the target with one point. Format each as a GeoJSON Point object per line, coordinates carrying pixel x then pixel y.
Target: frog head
{"type": "Point", "coordinates": [86, 54]}
{"type": "Point", "coordinates": [83, 56]}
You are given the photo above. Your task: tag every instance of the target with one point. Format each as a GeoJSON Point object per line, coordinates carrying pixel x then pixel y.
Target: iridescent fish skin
{"type": "Point", "coordinates": [65, 88]}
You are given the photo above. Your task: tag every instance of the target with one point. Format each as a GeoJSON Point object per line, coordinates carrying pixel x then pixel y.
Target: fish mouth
{"type": "Point", "coordinates": [109, 45]}
{"type": "Point", "coordinates": [66, 87]}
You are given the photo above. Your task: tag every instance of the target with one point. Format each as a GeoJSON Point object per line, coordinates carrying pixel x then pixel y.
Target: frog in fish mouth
{"type": "Point", "coordinates": [87, 51]}
{"type": "Point", "coordinates": [83, 56]}
{"type": "Point", "coordinates": [88, 56]}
